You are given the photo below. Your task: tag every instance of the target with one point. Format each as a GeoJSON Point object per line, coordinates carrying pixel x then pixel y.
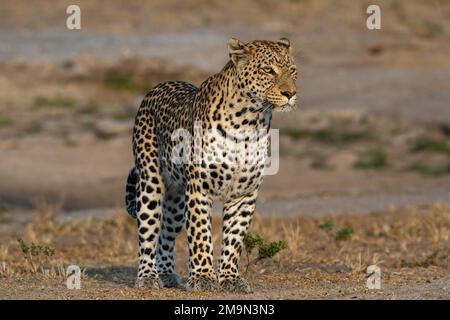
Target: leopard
{"type": "Point", "coordinates": [167, 191]}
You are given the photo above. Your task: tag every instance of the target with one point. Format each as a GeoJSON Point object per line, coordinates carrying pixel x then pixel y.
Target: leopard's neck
{"type": "Point", "coordinates": [227, 107]}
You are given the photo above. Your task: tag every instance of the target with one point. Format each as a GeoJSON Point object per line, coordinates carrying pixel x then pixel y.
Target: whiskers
{"type": "Point", "coordinates": [265, 107]}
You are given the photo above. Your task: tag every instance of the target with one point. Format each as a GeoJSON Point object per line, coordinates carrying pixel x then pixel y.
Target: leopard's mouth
{"type": "Point", "coordinates": [285, 107]}
{"type": "Point", "coordinates": [283, 104]}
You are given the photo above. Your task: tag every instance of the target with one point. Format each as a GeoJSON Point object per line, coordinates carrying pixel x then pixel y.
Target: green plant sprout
{"type": "Point", "coordinates": [338, 233]}
{"type": "Point", "coordinates": [265, 250]}
{"type": "Point", "coordinates": [35, 254]}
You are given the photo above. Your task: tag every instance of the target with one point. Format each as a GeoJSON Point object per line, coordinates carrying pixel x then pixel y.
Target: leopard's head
{"type": "Point", "coordinates": [265, 71]}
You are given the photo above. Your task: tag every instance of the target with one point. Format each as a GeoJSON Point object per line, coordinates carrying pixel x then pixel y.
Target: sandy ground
{"type": "Point", "coordinates": [369, 145]}
{"type": "Point", "coordinates": [69, 168]}
{"type": "Point", "coordinates": [109, 289]}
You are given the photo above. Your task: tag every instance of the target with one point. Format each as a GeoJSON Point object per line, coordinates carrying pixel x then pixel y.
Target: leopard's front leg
{"type": "Point", "coordinates": [199, 234]}
{"type": "Point", "coordinates": [237, 217]}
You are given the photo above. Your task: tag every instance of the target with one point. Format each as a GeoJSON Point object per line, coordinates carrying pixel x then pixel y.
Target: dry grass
{"type": "Point", "coordinates": [409, 245]}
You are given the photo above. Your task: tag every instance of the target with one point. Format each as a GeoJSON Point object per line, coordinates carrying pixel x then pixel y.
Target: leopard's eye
{"type": "Point", "coordinates": [268, 70]}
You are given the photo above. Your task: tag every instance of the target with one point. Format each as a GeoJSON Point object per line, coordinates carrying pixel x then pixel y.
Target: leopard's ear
{"type": "Point", "coordinates": [285, 43]}
{"type": "Point", "coordinates": [237, 50]}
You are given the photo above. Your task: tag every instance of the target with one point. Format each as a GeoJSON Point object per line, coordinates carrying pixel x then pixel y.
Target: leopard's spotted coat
{"type": "Point", "coordinates": [164, 195]}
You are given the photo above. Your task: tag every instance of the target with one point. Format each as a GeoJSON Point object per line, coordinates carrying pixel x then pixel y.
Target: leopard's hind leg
{"type": "Point", "coordinates": [149, 196]}
{"type": "Point", "coordinates": [172, 224]}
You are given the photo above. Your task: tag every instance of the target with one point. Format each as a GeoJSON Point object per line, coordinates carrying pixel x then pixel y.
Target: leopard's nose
{"type": "Point", "coordinates": [288, 94]}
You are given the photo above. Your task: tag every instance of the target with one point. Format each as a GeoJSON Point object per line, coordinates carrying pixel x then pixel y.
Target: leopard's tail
{"type": "Point", "coordinates": [130, 194]}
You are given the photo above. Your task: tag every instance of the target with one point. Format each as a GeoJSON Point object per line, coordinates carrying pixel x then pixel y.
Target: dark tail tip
{"type": "Point", "coordinates": [130, 194]}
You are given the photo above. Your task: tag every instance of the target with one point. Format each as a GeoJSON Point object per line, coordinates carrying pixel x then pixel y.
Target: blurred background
{"type": "Point", "coordinates": [372, 129]}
